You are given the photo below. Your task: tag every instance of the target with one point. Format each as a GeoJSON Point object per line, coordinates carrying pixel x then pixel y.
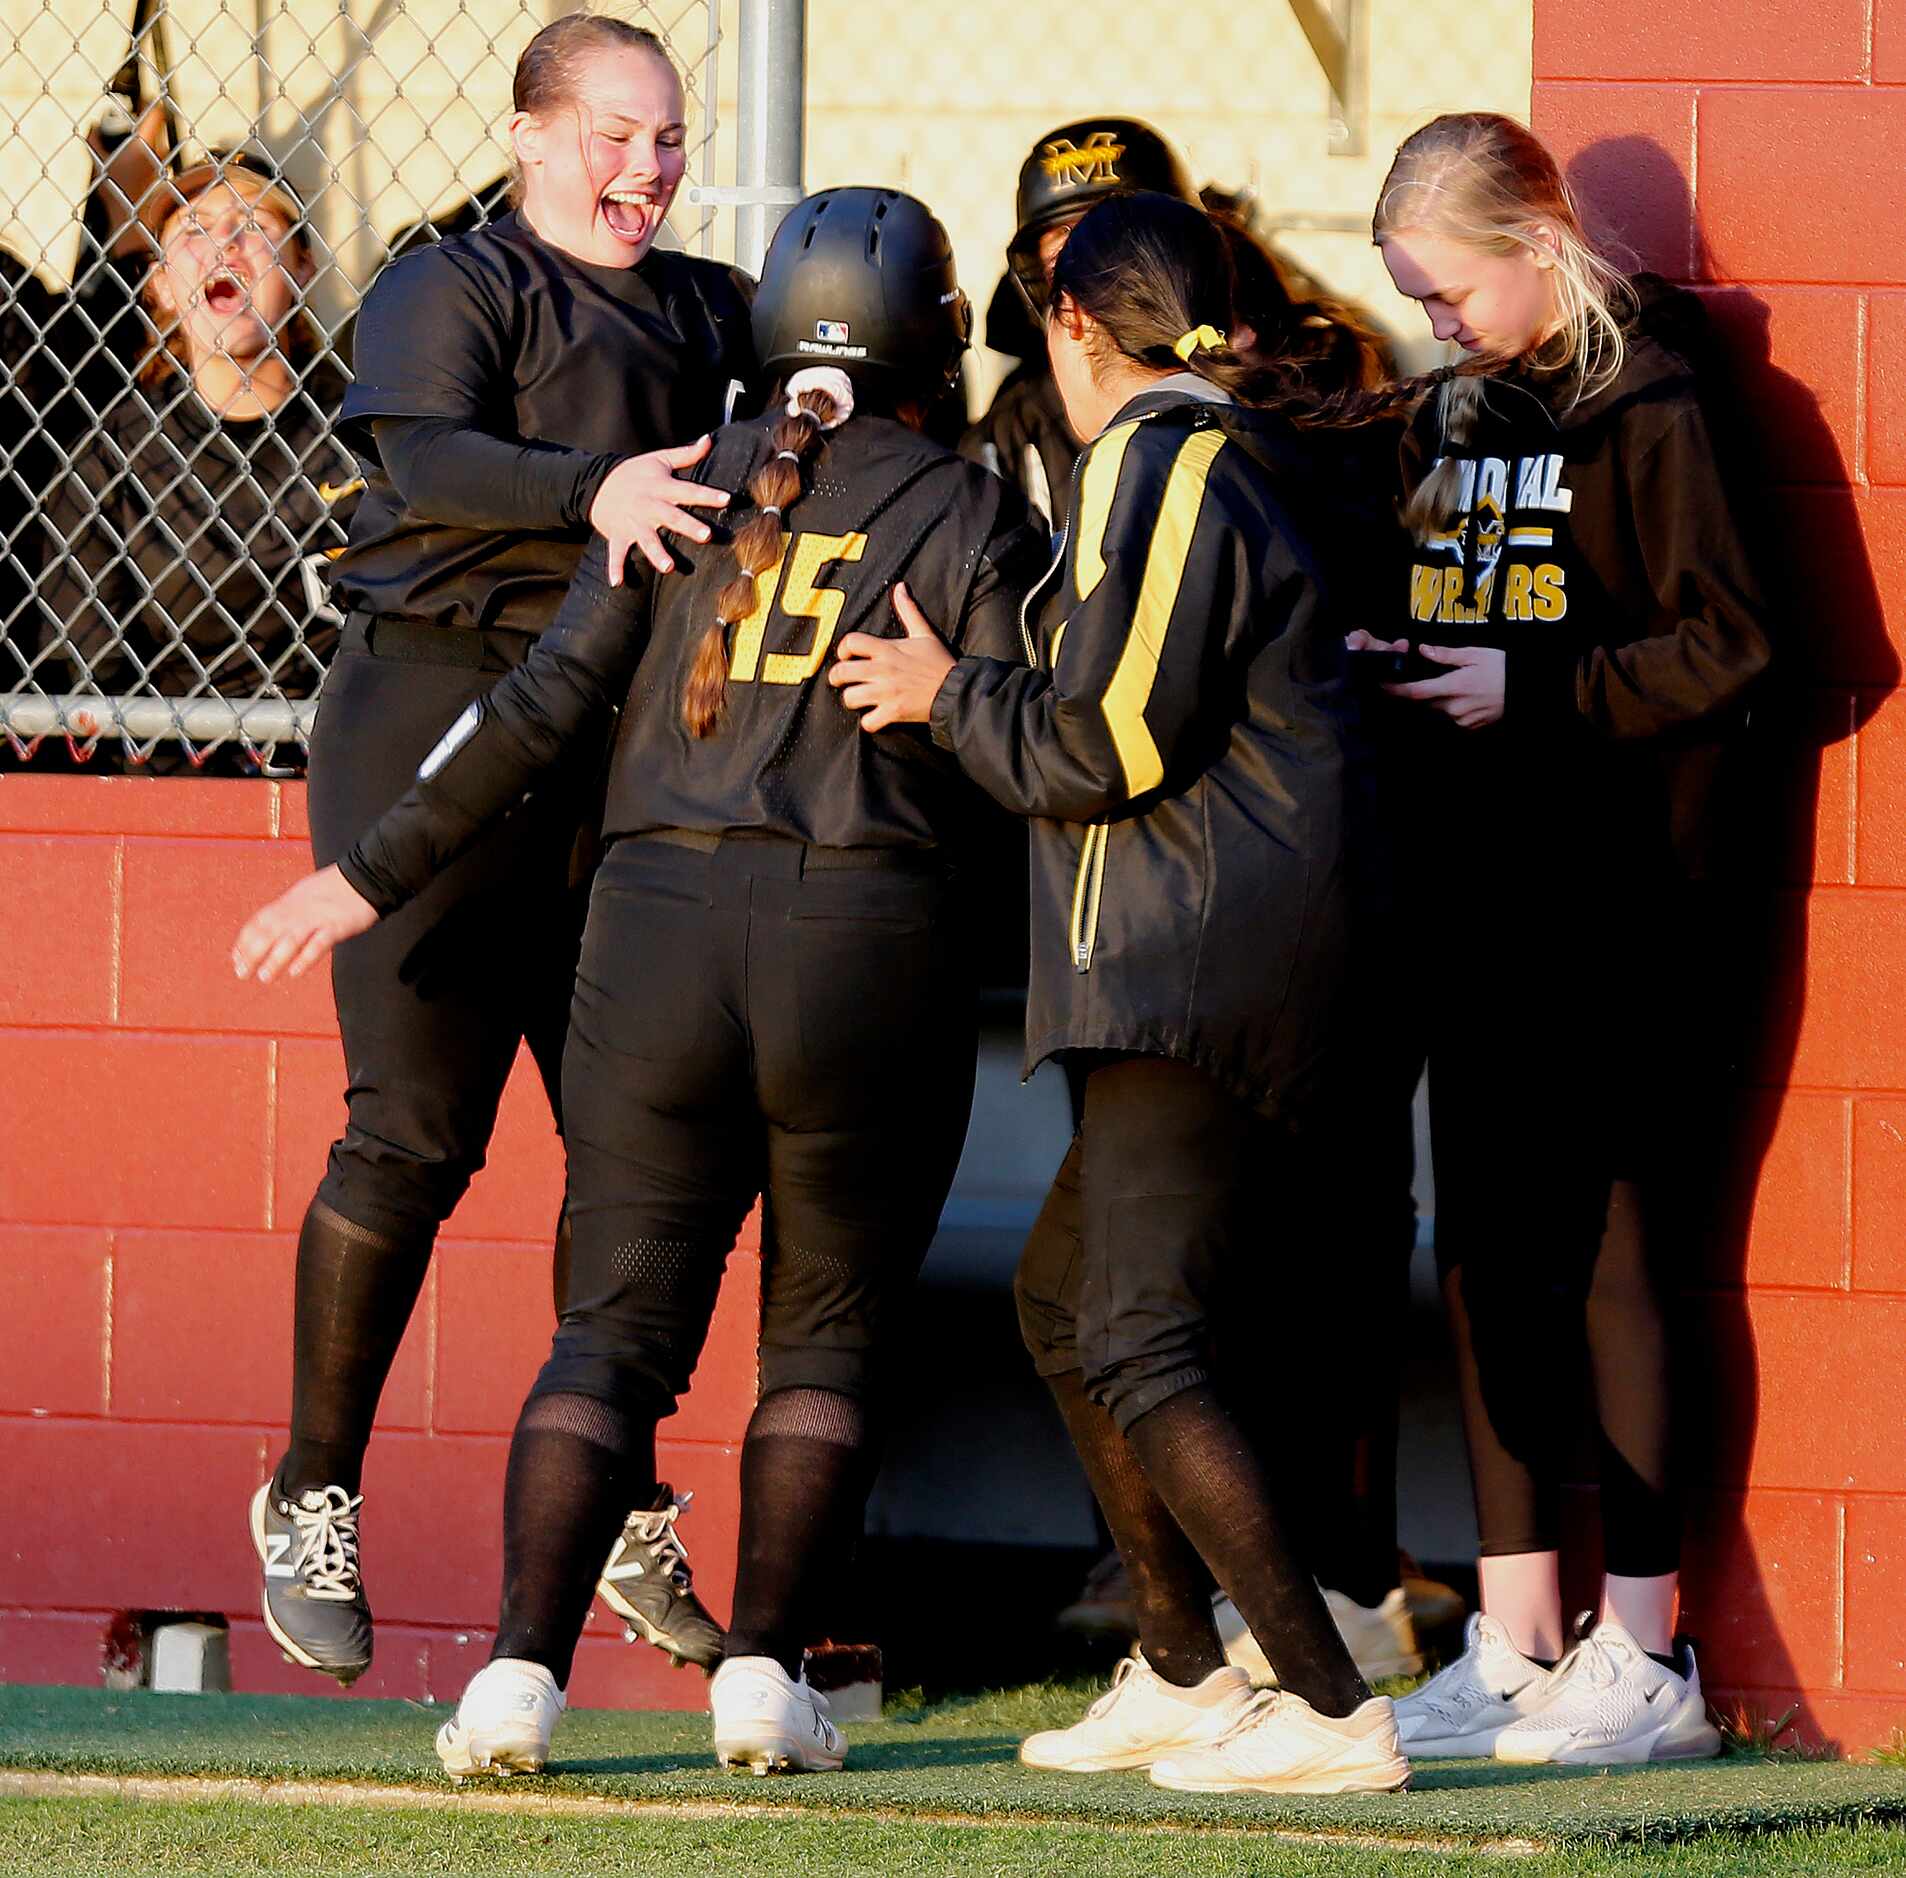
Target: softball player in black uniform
{"type": "Point", "coordinates": [1183, 740]}
{"type": "Point", "coordinates": [774, 996]}
{"type": "Point", "coordinates": [505, 380]}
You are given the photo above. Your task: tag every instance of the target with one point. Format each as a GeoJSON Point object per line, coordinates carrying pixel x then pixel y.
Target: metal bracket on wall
{"type": "Point", "coordinates": [1334, 29]}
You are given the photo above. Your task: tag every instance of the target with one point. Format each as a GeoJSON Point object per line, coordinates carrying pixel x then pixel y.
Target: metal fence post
{"type": "Point", "coordinates": [772, 127]}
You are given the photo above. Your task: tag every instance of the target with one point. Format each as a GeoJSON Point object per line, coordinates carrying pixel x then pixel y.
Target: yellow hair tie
{"type": "Point", "coordinates": [1200, 338]}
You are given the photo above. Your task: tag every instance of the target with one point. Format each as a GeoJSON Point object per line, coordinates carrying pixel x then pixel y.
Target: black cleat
{"type": "Point", "coordinates": [648, 1584]}
{"type": "Point", "coordinates": [313, 1600]}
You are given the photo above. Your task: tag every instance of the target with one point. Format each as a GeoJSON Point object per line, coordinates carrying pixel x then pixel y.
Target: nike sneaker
{"type": "Point", "coordinates": [1611, 1704]}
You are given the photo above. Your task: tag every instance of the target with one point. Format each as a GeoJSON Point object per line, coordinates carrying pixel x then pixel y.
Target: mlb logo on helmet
{"type": "Point", "coordinates": [1094, 161]}
{"type": "Point", "coordinates": [835, 332]}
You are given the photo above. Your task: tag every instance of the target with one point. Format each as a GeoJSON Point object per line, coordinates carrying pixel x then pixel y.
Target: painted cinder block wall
{"type": "Point", "coordinates": [161, 1130]}
{"type": "Point", "coordinates": [1757, 149]}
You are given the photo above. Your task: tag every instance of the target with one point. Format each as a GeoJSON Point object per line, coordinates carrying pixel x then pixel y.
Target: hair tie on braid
{"type": "Point", "coordinates": [791, 456]}
{"type": "Point", "coordinates": [769, 508]}
{"type": "Point", "coordinates": [824, 378]}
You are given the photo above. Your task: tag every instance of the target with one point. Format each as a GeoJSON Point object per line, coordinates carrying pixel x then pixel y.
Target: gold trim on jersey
{"type": "Point", "coordinates": [1137, 671]}
{"type": "Point", "coordinates": [1098, 484]}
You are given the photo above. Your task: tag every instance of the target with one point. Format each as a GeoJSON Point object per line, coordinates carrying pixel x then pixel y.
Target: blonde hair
{"type": "Point", "coordinates": [757, 546]}
{"type": "Point", "coordinates": [300, 340]}
{"type": "Point", "coordinates": [1485, 182]}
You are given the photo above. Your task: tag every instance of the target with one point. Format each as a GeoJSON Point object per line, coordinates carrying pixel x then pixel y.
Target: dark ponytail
{"type": "Point", "coordinates": [774, 489]}
{"type": "Point", "coordinates": [1152, 270]}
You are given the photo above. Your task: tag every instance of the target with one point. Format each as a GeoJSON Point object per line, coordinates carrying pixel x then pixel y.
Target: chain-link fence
{"type": "Point", "coordinates": [162, 590]}
{"type": "Point", "coordinates": [162, 593]}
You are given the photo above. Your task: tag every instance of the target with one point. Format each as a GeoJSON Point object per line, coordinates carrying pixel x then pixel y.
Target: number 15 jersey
{"type": "Point", "coordinates": [881, 504]}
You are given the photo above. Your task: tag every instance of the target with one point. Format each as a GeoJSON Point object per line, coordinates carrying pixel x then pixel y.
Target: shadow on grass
{"type": "Point", "coordinates": [877, 1757]}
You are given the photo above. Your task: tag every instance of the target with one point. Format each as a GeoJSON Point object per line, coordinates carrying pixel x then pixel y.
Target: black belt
{"type": "Point", "coordinates": [411, 642]}
{"type": "Point", "coordinates": [814, 860]}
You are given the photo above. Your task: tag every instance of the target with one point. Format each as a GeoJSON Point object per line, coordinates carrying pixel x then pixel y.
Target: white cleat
{"type": "Point", "coordinates": [1611, 1705]}
{"type": "Point", "coordinates": [1381, 1638]}
{"type": "Point", "coordinates": [503, 1724]}
{"type": "Point", "coordinates": [1463, 1709]}
{"type": "Point", "coordinates": [1282, 1745]}
{"type": "Point", "coordinates": [768, 1723]}
{"type": "Point", "coordinates": [1140, 1717]}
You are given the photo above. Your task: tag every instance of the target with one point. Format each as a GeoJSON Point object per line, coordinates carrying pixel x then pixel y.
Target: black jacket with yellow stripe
{"type": "Point", "coordinates": [1183, 739]}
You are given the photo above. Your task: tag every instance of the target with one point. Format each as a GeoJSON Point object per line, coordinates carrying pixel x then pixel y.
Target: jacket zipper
{"type": "Point", "coordinates": [1032, 593]}
{"type": "Point", "coordinates": [1088, 889]}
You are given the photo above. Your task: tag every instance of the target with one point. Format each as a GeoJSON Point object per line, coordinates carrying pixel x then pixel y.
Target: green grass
{"type": "Point", "coordinates": [105, 1838]}
{"type": "Point", "coordinates": [954, 1758]}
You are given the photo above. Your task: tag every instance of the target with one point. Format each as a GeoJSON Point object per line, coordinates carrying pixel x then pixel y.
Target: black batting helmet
{"type": "Point", "coordinates": [1077, 165]}
{"type": "Point", "coordinates": [863, 279]}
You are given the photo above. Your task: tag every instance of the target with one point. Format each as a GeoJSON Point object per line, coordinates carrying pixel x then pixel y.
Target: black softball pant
{"type": "Point", "coordinates": [1153, 1213]}
{"type": "Point", "coordinates": [757, 1017]}
{"type": "Point", "coordinates": [434, 1001]}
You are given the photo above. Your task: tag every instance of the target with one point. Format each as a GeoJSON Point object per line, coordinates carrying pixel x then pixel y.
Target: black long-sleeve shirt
{"type": "Point", "coordinates": [494, 358]}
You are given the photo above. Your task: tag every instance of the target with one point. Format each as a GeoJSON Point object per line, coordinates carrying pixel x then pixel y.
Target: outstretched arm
{"type": "Point", "coordinates": [559, 699]}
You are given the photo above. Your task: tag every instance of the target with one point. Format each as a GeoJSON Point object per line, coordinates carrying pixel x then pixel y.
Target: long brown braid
{"type": "Point", "coordinates": [773, 489]}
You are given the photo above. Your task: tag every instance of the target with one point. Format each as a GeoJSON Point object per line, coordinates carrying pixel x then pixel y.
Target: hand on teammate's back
{"type": "Point", "coordinates": [299, 927]}
{"type": "Point", "coordinates": [642, 496]}
{"type": "Point", "coordinates": [894, 681]}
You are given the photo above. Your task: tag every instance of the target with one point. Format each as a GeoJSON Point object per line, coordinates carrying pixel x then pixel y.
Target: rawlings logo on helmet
{"type": "Point", "coordinates": [1067, 162]}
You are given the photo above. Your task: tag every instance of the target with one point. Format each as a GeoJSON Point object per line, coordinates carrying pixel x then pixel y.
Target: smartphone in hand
{"type": "Point", "coordinates": [1373, 667]}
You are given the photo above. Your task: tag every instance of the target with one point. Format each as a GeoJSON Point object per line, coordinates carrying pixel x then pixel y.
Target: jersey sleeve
{"type": "Point", "coordinates": [559, 699]}
{"type": "Point", "coordinates": [465, 478]}
{"type": "Point", "coordinates": [1709, 641]}
{"type": "Point", "coordinates": [1153, 571]}
{"type": "Point", "coordinates": [432, 340]}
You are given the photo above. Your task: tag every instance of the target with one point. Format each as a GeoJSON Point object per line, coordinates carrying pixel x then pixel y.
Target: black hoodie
{"type": "Point", "coordinates": [1596, 541]}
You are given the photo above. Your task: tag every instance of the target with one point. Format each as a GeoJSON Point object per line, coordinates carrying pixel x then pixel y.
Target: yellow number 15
{"type": "Point", "coordinates": [800, 599]}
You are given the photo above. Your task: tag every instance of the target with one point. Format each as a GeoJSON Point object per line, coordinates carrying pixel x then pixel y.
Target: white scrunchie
{"type": "Point", "coordinates": [830, 379]}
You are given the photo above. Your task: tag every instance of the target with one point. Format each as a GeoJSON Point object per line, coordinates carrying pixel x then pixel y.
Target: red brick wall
{"type": "Point", "coordinates": [163, 1129]}
{"type": "Point", "coordinates": [1758, 148]}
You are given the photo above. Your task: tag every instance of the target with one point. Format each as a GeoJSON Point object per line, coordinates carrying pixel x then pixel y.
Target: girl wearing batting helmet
{"type": "Point", "coordinates": [775, 996]}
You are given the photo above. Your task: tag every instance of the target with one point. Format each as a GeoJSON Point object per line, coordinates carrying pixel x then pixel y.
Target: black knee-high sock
{"type": "Point", "coordinates": [576, 1467]}
{"type": "Point", "coordinates": [1171, 1589]}
{"type": "Point", "coordinates": [806, 1469]}
{"type": "Point", "coordinates": [354, 1294]}
{"type": "Point", "coordinates": [1217, 1490]}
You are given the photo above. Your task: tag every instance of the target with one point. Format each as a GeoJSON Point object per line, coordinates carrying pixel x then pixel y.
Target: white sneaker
{"type": "Point", "coordinates": [1381, 1638]}
{"type": "Point", "coordinates": [1282, 1745]}
{"type": "Point", "coordinates": [1466, 1705]}
{"type": "Point", "coordinates": [503, 1724]}
{"type": "Point", "coordinates": [1139, 1718]}
{"type": "Point", "coordinates": [1610, 1703]}
{"type": "Point", "coordinates": [768, 1723]}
